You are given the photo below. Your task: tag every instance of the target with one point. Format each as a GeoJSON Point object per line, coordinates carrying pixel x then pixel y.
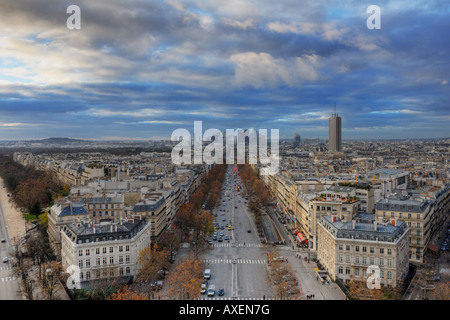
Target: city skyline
{"type": "Point", "coordinates": [139, 71]}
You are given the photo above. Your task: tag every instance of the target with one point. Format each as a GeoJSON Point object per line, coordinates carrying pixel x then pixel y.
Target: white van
{"type": "Point", "coordinates": [207, 274]}
{"type": "Point", "coordinates": [211, 290]}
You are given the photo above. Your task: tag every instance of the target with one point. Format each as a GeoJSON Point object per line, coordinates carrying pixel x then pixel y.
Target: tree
{"type": "Point", "coordinates": [125, 293]}
{"type": "Point", "coordinates": [150, 261]}
{"type": "Point", "coordinates": [53, 274]}
{"type": "Point", "coordinates": [36, 209]}
{"type": "Point", "coordinates": [184, 281]}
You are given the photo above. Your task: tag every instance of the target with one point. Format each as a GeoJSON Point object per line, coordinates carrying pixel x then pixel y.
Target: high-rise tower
{"type": "Point", "coordinates": [334, 127]}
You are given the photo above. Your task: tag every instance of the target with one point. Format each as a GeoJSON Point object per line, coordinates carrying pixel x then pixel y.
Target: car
{"type": "Point", "coordinates": [204, 286]}
{"type": "Point", "coordinates": [221, 227]}
{"type": "Point", "coordinates": [229, 228]}
{"type": "Point", "coordinates": [221, 292]}
{"type": "Point", "coordinates": [210, 241]}
{"type": "Point", "coordinates": [249, 231]}
{"type": "Point", "coordinates": [220, 239]}
{"type": "Point", "coordinates": [224, 219]}
{"type": "Point", "coordinates": [211, 291]}
{"type": "Point", "coordinates": [221, 234]}
{"type": "Point", "coordinates": [3, 240]}
{"type": "Point", "coordinates": [5, 259]}
{"type": "Point", "coordinates": [227, 238]}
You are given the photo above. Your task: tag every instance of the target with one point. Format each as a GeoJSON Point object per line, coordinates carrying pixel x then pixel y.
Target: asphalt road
{"type": "Point", "coordinates": [9, 284]}
{"type": "Point", "coordinates": [239, 265]}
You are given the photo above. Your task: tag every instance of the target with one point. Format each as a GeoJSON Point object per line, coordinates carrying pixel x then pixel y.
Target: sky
{"type": "Point", "coordinates": [139, 69]}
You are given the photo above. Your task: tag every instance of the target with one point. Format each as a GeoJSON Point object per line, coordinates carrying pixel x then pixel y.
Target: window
{"type": "Point", "coordinates": [88, 252]}
{"type": "Point", "coordinates": [105, 261]}
{"type": "Point", "coordinates": [372, 260]}
{"type": "Point", "coordinates": [80, 253]}
{"type": "Point", "coordinates": [120, 248]}
{"type": "Point", "coordinates": [111, 260]}
{"type": "Point", "coordinates": [88, 263]}
{"type": "Point", "coordinates": [128, 270]}
{"type": "Point", "coordinates": [347, 258]}
{"type": "Point", "coordinates": [97, 251]}
{"type": "Point", "coordinates": [357, 259]}
{"type": "Point", "coordinates": [389, 275]}
{"type": "Point", "coordinates": [111, 249]}
{"type": "Point", "coordinates": [382, 274]}
{"type": "Point", "coordinates": [340, 270]}
{"type": "Point", "coordinates": [364, 249]}
{"type": "Point", "coordinates": [340, 247]}
{"type": "Point", "coordinates": [127, 259]}
{"type": "Point", "coordinates": [104, 250]}
{"type": "Point", "coordinates": [347, 247]}
{"type": "Point", "coordinates": [357, 248]}
{"type": "Point", "coordinates": [127, 248]}
{"type": "Point", "coordinates": [389, 262]}
{"type": "Point", "coordinates": [120, 259]}
{"type": "Point", "coordinates": [88, 275]}
{"type": "Point", "coordinates": [389, 251]}
{"type": "Point", "coordinates": [372, 250]}
{"type": "Point", "coordinates": [381, 262]}
{"type": "Point", "coordinates": [347, 270]}
{"type": "Point", "coordinates": [80, 264]}
{"type": "Point", "coordinates": [364, 260]}
{"type": "Point", "coordinates": [356, 271]}
{"type": "Point", "coordinates": [381, 250]}
{"type": "Point", "coordinates": [121, 271]}
{"type": "Point", "coordinates": [97, 261]}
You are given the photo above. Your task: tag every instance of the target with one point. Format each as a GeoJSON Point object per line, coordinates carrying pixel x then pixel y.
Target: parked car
{"type": "Point", "coordinates": [221, 292]}
{"type": "Point", "coordinates": [5, 259]}
{"type": "Point", "coordinates": [204, 286]}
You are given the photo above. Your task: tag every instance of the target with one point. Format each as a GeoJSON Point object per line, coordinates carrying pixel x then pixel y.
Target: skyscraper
{"type": "Point", "coordinates": [296, 142]}
{"type": "Point", "coordinates": [334, 127]}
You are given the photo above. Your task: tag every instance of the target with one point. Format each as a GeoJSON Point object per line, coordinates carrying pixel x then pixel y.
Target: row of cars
{"type": "Point", "coordinates": [210, 289]}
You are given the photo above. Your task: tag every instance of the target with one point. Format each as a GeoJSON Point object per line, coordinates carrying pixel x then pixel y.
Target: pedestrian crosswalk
{"type": "Point", "coordinates": [240, 261]}
{"type": "Point", "coordinates": [5, 268]}
{"type": "Point", "coordinates": [237, 245]}
{"type": "Point", "coordinates": [6, 279]}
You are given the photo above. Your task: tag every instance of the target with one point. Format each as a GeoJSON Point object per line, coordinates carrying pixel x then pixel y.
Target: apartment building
{"type": "Point", "coordinates": [63, 212]}
{"type": "Point", "coordinates": [348, 249]}
{"type": "Point", "coordinates": [105, 207]}
{"type": "Point", "coordinates": [417, 213]}
{"type": "Point", "coordinates": [153, 207]}
{"type": "Point", "coordinates": [105, 251]}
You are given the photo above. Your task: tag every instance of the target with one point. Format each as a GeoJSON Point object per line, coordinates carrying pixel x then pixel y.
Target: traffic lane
{"type": "Point", "coordinates": [9, 283]}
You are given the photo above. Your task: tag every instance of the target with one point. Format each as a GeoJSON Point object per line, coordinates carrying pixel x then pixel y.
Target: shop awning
{"type": "Point", "coordinates": [300, 237]}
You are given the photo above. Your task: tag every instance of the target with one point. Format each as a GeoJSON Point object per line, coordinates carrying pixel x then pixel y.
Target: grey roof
{"type": "Point", "coordinates": [104, 232]}
{"type": "Point", "coordinates": [142, 207]}
{"type": "Point", "coordinates": [363, 230]}
{"type": "Point", "coordinates": [75, 210]}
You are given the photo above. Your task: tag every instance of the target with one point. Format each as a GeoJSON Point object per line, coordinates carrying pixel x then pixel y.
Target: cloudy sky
{"type": "Point", "coordinates": [139, 69]}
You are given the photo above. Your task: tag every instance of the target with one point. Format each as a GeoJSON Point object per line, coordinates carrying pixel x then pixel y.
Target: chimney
{"type": "Point", "coordinates": [375, 225]}
{"type": "Point", "coordinates": [333, 217]}
{"type": "Point", "coordinates": [94, 228]}
{"type": "Point", "coordinates": [353, 224]}
{"type": "Point", "coordinates": [394, 221]}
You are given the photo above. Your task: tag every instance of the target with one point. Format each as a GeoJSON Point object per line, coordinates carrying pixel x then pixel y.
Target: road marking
{"type": "Point", "coordinates": [6, 279]}
{"type": "Point", "coordinates": [228, 261]}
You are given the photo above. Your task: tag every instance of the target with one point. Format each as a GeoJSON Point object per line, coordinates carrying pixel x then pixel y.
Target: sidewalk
{"type": "Point", "coordinates": [307, 277]}
{"type": "Point", "coordinates": [15, 222]}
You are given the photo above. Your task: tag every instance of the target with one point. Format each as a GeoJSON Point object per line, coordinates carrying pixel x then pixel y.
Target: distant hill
{"type": "Point", "coordinates": [57, 140]}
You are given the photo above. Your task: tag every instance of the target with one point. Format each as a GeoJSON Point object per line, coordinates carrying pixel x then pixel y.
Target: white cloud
{"type": "Point", "coordinates": [263, 70]}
